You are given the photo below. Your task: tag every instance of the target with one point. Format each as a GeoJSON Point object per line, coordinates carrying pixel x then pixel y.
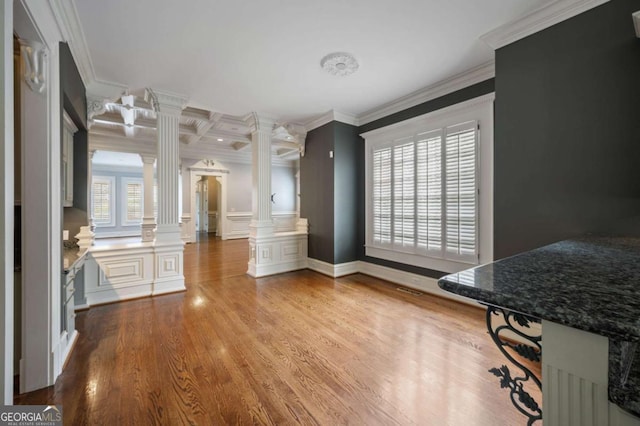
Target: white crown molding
{"type": "Point", "coordinates": [538, 20]}
{"type": "Point", "coordinates": [330, 116]}
{"type": "Point", "coordinates": [66, 16]}
{"type": "Point", "coordinates": [69, 23]}
{"type": "Point", "coordinates": [444, 87]}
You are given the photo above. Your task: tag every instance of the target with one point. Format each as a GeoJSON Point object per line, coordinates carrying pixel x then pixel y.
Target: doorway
{"type": "Point", "coordinates": [208, 204]}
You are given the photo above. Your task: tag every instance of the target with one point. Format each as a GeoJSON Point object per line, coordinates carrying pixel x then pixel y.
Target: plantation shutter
{"type": "Point", "coordinates": [404, 193]}
{"type": "Point", "coordinates": [429, 191]}
{"type": "Point", "coordinates": [382, 196]}
{"type": "Point", "coordinates": [134, 202]}
{"type": "Point", "coordinates": [461, 191]}
{"type": "Point", "coordinates": [101, 201]}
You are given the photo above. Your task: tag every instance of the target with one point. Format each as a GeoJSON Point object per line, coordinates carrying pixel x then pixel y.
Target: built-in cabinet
{"type": "Point", "coordinates": [69, 129]}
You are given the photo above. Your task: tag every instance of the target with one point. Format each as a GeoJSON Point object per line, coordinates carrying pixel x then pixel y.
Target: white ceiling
{"type": "Point", "coordinates": [235, 57]}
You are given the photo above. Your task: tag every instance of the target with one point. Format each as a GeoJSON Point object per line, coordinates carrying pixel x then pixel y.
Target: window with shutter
{"type": "Point", "coordinates": [423, 191]}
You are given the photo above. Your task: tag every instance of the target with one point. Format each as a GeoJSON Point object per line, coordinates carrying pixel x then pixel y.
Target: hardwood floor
{"type": "Point", "coordinates": [293, 348]}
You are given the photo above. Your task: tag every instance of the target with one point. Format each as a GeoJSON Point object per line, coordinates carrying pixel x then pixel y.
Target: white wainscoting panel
{"type": "Point", "coordinates": [238, 223]}
{"type": "Point", "coordinates": [277, 253]}
{"type": "Point", "coordinates": [122, 273]}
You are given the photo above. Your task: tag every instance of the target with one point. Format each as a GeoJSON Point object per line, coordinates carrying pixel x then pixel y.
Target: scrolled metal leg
{"type": "Point", "coordinates": [520, 398]}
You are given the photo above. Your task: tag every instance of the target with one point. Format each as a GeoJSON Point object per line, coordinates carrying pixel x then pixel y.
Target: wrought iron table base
{"type": "Point", "coordinates": [520, 398]}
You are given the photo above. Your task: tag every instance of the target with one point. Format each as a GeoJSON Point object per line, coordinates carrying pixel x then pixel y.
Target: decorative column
{"type": "Point", "coordinates": [168, 246]}
{"type": "Point", "coordinates": [261, 221]}
{"type": "Point", "coordinates": [148, 219]}
{"type": "Point", "coordinates": [261, 228]}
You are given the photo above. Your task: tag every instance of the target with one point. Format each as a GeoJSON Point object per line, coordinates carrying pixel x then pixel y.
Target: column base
{"type": "Point", "coordinates": [148, 229]}
{"type": "Point", "coordinates": [261, 228]}
{"type": "Point", "coordinates": [168, 233]}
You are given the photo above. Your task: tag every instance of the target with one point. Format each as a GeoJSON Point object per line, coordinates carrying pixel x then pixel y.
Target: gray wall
{"type": "Point", "coordinates": [317, 192]}
{"type": "Point", "coordinates": [567, 129]}
{"type": "Point", "coordinates": [73, 101]}
{"type": "Point", "coordinates": [283, 184]}
{"type": "Point", "coordinates": [348, 201]}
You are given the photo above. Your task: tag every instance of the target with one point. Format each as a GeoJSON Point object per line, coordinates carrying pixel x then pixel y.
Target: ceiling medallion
{"type": "Point", "coordinates": [339, 63]}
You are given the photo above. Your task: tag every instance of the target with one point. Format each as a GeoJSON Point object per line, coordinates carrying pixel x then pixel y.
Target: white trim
{"type": "Point", "coordinates": [401, 128]}
{"type": "Point", "coordinates": [6, 203]}
{"type": "Point", "coordinates": [537, 20]}
{"type": "Point", "coordinates": [330, 116]}
{"type": "Point", "coordinates": [333, 271]}
{"type": "Point", "coordinates": [457, 82]}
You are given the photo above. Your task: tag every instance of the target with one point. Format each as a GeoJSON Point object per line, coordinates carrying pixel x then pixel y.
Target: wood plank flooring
{"type": "Point", "coordinates": [297, 348]}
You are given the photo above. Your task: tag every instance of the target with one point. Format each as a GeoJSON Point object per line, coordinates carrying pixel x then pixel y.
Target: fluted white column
{"type": "Point", "coordinates": [186, 204]}
{"type": "Point", "coordinates": [168, 108]}
{"type": "Point", "coordinates": [148, 219]}
{"type": "Point", "coordinates": [262, 222]}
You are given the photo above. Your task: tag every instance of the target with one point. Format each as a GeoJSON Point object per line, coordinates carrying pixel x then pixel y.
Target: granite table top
{"type": "Point", "coordinates": [70, 256]}
{"type": "Point", "coordinates": [590, 283]}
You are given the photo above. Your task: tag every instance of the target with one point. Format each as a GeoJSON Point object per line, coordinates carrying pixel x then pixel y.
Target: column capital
{"type": "Point", "coordinates": [165, 102]}
{"type": "Point", "coordinates": [96, 105]}
{"type": "Point", "coordinates": [147, 158]}
{"type": "Point", "coordinates": [259, 122]}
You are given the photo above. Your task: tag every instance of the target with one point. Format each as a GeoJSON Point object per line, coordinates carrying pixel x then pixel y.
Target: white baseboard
{"type": "Point", "coordinates": [258, 271]}
{"type": "Point", "coordinates": [119, 294]}
{"type": "Point", "coordinates": [411, 280]}
{"type": "Point", "coordinates": [165, 286]}
{"type": "Point", "coordinates": [334, 271]}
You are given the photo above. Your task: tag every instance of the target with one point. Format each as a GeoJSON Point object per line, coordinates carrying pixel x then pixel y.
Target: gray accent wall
{"type": "Point", "coordinates": [348, 196]}
{"type": "Point", "coordinates": [567, 130]}
{"type": "Point", "coordinates": [317, 192]}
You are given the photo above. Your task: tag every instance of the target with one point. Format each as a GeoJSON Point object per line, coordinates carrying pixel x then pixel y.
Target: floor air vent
{"type": "Point", "coordinates": [410, 291]}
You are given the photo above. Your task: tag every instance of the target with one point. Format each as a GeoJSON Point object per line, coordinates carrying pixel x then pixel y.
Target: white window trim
{"type": "Point", "coordinates": [479, 109]}
{"type": "Point", "coordinates": [112, 207]}
{"type": "Point", "coordinates": [123, 200]}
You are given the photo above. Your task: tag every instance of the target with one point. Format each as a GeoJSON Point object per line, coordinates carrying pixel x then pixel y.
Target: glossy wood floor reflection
{"type": "Point", "coordinates": [289, 349]}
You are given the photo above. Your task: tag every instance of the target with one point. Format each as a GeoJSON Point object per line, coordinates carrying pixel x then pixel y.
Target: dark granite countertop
{"type": "Point", "coordinates": [70, 256]}
{"type": "Point", "coordinates": [590, 283]}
